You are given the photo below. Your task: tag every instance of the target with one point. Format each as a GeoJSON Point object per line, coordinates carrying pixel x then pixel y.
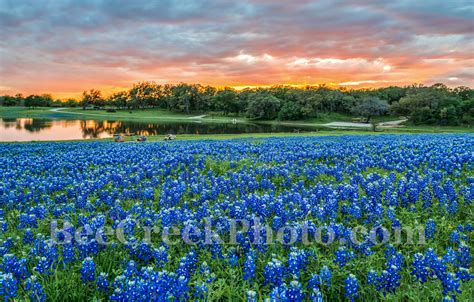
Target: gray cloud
{"type": "Point", "coordinates": [170, 36]}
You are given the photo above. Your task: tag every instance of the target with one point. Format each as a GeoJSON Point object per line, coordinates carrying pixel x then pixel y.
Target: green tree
{"type": "Point", "coordinates": [71, 103]}
{"type": "Point", "coordinates": [33, 101]}
{"type": "Point", "coordinates": [226, 100]}
{"type": "Point", "coordinates": [434, 104]}
{"type": "Point", "coordinates": [145, 94]}
{"type": "Point", "coordinates": [91, 98]}
{"type": "Point", "coordinates": [7, 100]}
{"type": "Point", "coordinates": [370, 107]}
{"type": "Point", "coordinates": [181, 97]}
{"type": "Point", "coordinates": [290, 111]}
{"type": "Point", "coordinates": [118, 99]}
{"type": "Point", "coordinates": [392, 94]}
{"type": "Point", "coordinates": [263, 106]}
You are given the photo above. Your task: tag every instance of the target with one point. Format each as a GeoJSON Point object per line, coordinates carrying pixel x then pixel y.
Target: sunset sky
{"type": "Point", "coordinates": [65, 47]}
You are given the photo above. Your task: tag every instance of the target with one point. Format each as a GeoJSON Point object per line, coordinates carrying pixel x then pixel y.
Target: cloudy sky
{"type": "Point", "coordinates": [63, 47]}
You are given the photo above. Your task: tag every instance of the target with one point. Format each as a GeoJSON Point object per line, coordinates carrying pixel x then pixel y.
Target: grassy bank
{"type": "Point", "coordinates": [148, 115]}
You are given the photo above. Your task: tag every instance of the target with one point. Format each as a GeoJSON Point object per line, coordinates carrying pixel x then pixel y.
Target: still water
{"type": "Point", "coordinates": [29, 129]}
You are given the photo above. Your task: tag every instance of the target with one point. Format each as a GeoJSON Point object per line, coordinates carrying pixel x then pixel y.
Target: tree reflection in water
{"type": "Point", "coordinates": [93, 129]}
{"type": "Point", "coordinates": [28, 124]}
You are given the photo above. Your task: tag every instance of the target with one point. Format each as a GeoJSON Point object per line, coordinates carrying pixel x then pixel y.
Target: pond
{"type": "Point", "coordinates": [32, 129]}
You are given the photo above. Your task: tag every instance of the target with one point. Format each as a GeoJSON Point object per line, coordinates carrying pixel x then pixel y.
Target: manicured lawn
{"type": "Point", "coordinates": [146, 115]}
{"type": "Point", "coordinates": [18, 112]}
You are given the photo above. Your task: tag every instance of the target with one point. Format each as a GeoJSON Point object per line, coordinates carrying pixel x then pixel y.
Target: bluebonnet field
{"type": "Point", "coordinates": [103, 221]}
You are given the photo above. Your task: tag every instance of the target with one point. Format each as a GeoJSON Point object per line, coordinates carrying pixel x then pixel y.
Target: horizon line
{"type": "Point", "coordinates": [348, 86]}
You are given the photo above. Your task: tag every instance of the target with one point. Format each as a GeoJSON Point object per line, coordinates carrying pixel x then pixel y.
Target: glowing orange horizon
{"type": "Point", "coordinates": [107, 91]}
{"type": "Point", "coordinates": [251, 44]}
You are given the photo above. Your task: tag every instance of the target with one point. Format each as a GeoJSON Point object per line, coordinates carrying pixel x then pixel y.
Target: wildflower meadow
{"type": "Point", "coordinates": [342, 218]}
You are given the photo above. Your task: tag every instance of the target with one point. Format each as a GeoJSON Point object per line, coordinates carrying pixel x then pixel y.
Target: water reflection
{"type": "Point", "coordinates": [27, 129]}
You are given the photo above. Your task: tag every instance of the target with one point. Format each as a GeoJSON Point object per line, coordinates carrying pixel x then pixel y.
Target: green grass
{"type": "Point", "coordinates": [19, 112]}
{"type": "Point", "coordinates": [432, 129]}
{"type": "Point", "coordinates": [146, 115]}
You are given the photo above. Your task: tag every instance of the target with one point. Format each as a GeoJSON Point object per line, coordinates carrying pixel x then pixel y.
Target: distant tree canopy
{"type": "Point", "coordinates": [436, 104]}
{"type": "Point", "coordinates": [44, 100]}
{"type": "Point", "coordinates": [92, 98]}
{"type": "Point", "coordinates": [370, 107]}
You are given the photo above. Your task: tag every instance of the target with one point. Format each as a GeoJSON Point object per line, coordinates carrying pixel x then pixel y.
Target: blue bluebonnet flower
{"type": "Point", "coordinates": [249, 267]}
{"type": "Point", "coordinates": [389, 280]}
{"type": "Point", "coordinates": [102, 282]}
{"type": "Point", "coordinates": [343, 255]}
{"type": "Point", "coordinates": [181, 288]}
{"type": "Point", "coordinates": [287, 183]}
{"type": "Point", "coordinates": [11, 264]}
{"type": "Point", "coordinates": [187, 265]}
{"type": "Point", "coordinates": [3, 226]}
{"type": "Point", "coordinates": [201, 291]}
{"type": "Point", "coordinates": [143, 251]}
{"type": "Point", "coordinates": [130, 269]}
{"type": "Point", "coordinates": [28, 236]}
{"type": "Point", "coordinates": [314, 281]}
{"type": "Point", "coordinates": [450, 284]}
{"type": "Point", "coordinates": [233, 258]}
{"type": "Point", "coordinates": [69, 253]}
{"type": "Point", "coordinates": [35, 289]}
{"type": "Point", "coordinates": [206, 272]}
{"type": "Point", "coordinates": [464, 274]}
{"type": "Point", "coordinates": [274, 272]}
{"type": "Point", "coordinates": [161, 256]}
{"type": "Point", "coordinates": [8, 286]}
{"type": "Point", "coordinates": [464, 255]}
{"type": "Point", "coordinates": [279, 293]}
{"type": "Point", "coordinates": [316, 295]}
{"type": "Point", "coordinates": [294, 291]}
{"type": "Point", "coordinates": [450, 256]}
{"type": "Point", "coordinates": [372, 278]}
{"type": "Point", "coordinates": [296, 261]}
{"type": "Point", "coordinates": [468, 227]}
{"type": "Point", "coordinates": [88, 270]}
{"type": "Point", "coordinates": [430, 229]}
{"type": "Point", "coordinates": [427, 199]}
{"type": "Point", "coordinates": [44, 265]}
{"type": "Point", "coordinates": [455, 237]}
{"type": "Point", "coordinates": [351, 287]}
{"type": "Point", "coordinates": [420, 268]}
{"type": "Point", "coordinates": [325, 275]}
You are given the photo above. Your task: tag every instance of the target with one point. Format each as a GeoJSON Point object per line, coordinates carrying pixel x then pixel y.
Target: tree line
{"type": "Point", "coordinates": [433, 105]}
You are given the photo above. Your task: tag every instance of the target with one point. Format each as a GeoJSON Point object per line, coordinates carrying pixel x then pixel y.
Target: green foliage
{"type": "Point", "coordinates": [422, 115]}
{"type": "Point", "coordinates": [436, 105]}
{"type": "Point", "coordinates": [371, 106]}
{"type": "Point", "coordinates": [44, 100]}
{"type": "Point", "coordinates": [92, 98]}
{"type": "Point", "coordinates": [226, 100]}
{"type": "Point", "coordinates": [263, 106]}
{"type": "Point", "coordinates": [290, 111]}
{"type": "Point", "coordinates": [6, 100]}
